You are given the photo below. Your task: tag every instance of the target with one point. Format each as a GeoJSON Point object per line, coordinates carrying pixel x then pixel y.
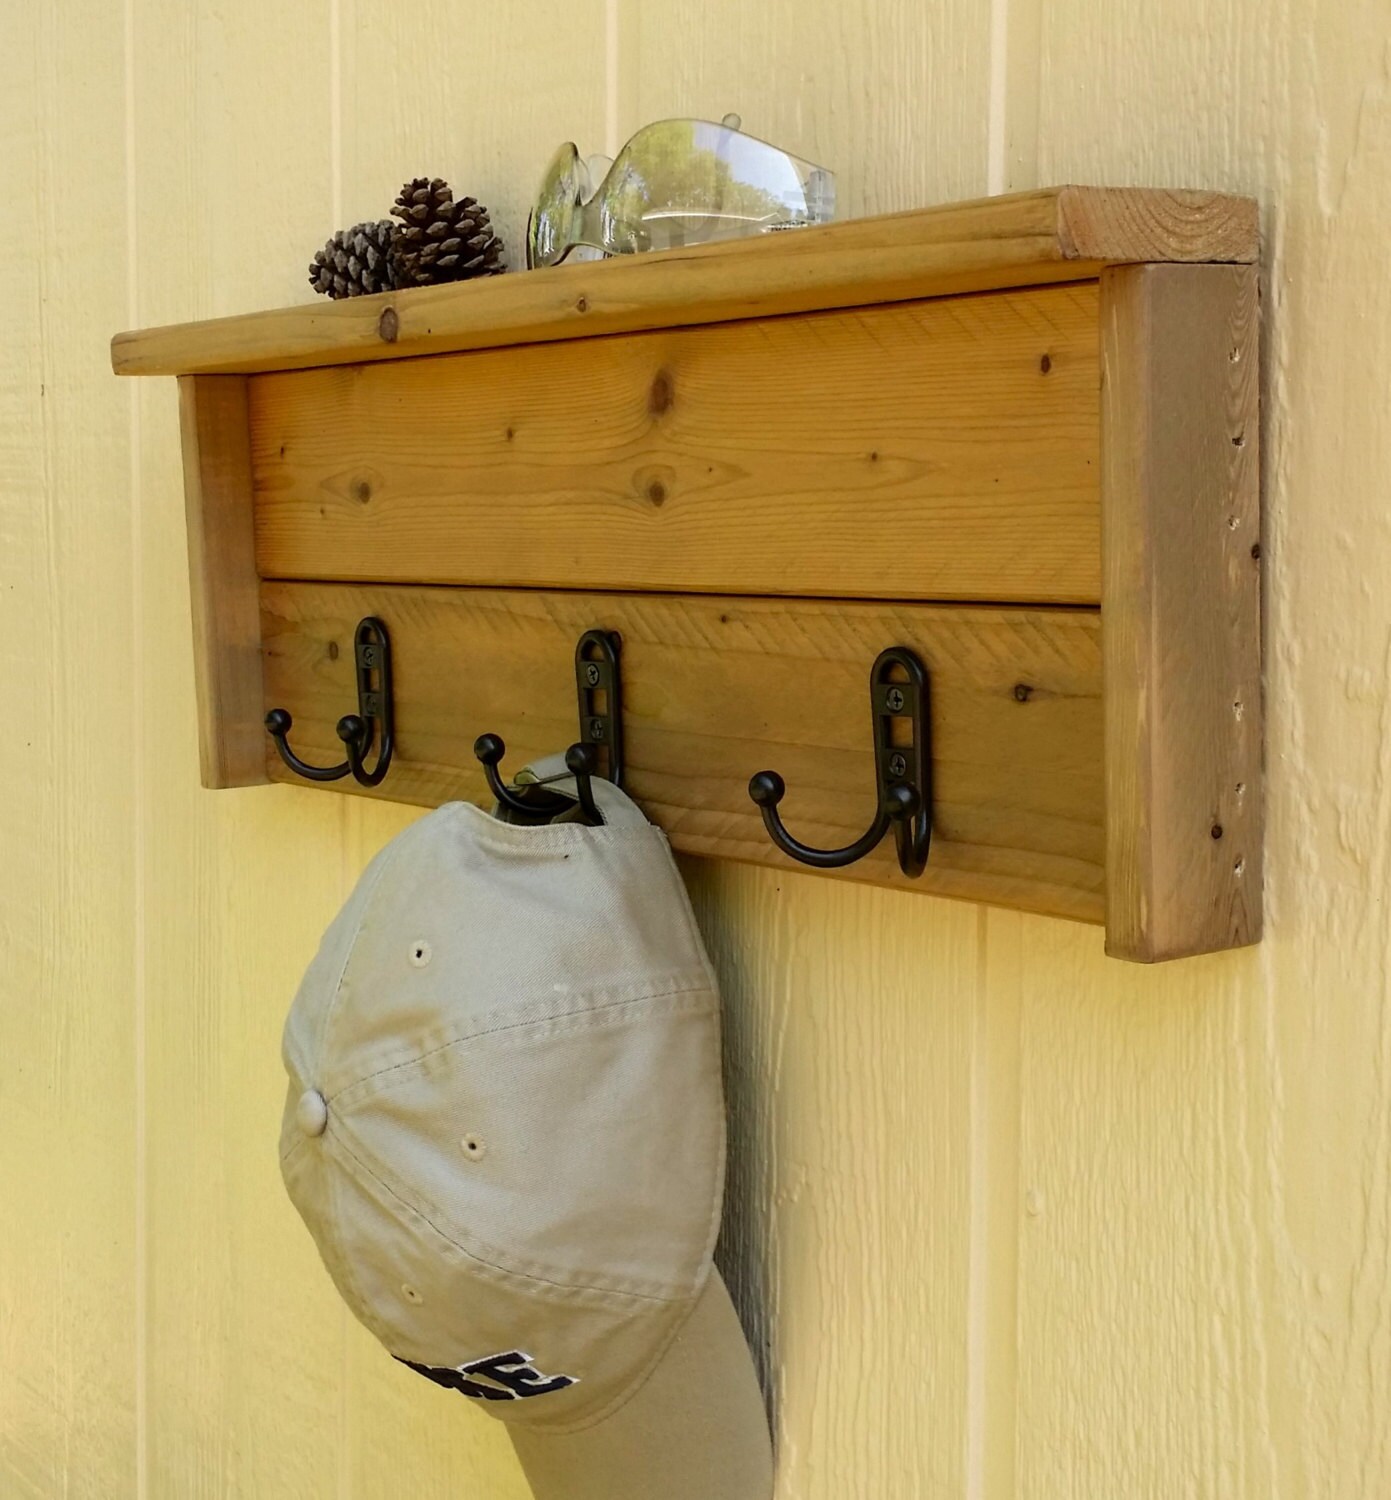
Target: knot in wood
{"type": "Point", "coordinates": [663, 392]}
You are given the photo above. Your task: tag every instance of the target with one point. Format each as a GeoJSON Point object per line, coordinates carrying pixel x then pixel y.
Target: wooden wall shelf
{"type": "Point", "coordinates": [1019, 436]}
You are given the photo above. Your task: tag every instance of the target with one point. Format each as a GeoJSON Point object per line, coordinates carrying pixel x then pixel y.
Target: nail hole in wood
{"type": "Point", "coordinates": [1046, 363]}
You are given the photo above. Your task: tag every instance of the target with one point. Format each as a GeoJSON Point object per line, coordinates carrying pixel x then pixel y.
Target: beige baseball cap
{"type": "Point", "coordinates": [505, 1131]}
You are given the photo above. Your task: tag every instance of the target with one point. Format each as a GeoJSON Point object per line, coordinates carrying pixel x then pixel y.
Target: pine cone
{"type": "Point", "coordinates": [439, 239]}
{"type": "Point", "coordinates": [355, 261]}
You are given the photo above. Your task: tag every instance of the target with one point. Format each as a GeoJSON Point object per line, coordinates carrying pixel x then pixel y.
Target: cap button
{"type": "Point", "coordinates": [311, 1113]}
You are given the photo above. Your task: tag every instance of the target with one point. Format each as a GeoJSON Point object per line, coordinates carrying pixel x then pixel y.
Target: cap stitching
{"type": "Point", "coordinates": [692, 927]}
{"type": "Point", "coordinates": [707, 1265]}
{"type": "Point", "coordinates": [631, 1391]}
{"type": "Point", "coordinates": [344, 1261]}
{"type": "Point", "coordinates": [722, 1155]}
{"type": "Point", "coordinates": [295, 1145]}
{"type": "Point", "coordinates": [601, 1011]}
{"type": "Point", "coordinates": [546, 835]}
{"type": "Point", "coordinates": [392, 853]}
{"type": "Point", "coordinates": [358, 1094]}
{"type": "Point", "coordinates": [558, 1286]}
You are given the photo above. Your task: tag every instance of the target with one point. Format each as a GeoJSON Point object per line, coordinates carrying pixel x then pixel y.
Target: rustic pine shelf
{"type": "Point", "coordinates": [1019, 436]}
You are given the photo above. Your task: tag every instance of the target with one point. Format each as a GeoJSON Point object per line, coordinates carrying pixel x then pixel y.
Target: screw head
{"type": "Point", "coordinates": [596, 729]}
{"type": "Point", "coordinates": [592, 674]}
{"type": "Point", "coordinates": [894, 699]}
{"type": "Point", "coordinates": [369, 656]}
{"type": "Point", "coordinates": [898, 763]}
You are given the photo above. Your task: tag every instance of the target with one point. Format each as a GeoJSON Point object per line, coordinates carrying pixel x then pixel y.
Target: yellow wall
{"type": "Point", "coordinates": [1011, 1220]}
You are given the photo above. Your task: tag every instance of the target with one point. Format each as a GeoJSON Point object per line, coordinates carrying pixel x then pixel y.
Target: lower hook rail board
{"type": "Point", "coordinates": [374, 719]}
{"type": "Point", "coordinates": [903, 773]}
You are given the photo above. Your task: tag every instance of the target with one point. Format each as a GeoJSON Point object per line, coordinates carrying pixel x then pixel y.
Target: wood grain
{"type": "Point", "coordinates": [1117, 225]}
{"type": "Point", "coordinates": [934, 450]}
{"type": "Point", "coordinates": [716, 689]}
{"type": "Point", "coordinates": [222, 578]}
{"type": "Point", "coordinates": [1181, 605]}
{"type": "Point", "coordinates": [1055, 234]}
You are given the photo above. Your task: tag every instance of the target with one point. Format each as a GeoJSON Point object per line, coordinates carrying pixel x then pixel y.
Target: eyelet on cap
{"type": "Point", "coordinates": [421, 953]}
{"type": "Point", "coordinates": [311, 1113]}
{"type": "Point", "coordinates": [410, 1294]}
{"type": "Point", "coordinates": [474, 1147]}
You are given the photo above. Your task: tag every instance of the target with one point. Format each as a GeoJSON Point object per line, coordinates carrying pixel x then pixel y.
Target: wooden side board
{"type": "Point", "coordinates": [943, 450]}
{"type": "Point", "coordinates": [1181, 553]}
{"type": "Point", "coordinates": [716, 689]}
{"type": "Point", "coordinates": [1024, 239]}
{"type": "Point", "coordinates": [222, 579]}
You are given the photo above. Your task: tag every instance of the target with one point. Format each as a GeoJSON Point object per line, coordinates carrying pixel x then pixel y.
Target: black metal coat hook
{"type": "Point", "coordinates": [599, 689]}
{"type": "Point", "coordinates": [372, 721]}
{"type": "Point", "coordinates": [903, 772]}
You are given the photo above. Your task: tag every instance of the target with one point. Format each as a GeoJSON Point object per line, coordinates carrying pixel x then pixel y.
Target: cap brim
{"type": "Point", "coordinates": [695, 1430]}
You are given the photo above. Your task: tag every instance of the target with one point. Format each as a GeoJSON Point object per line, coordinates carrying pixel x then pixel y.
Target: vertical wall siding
{"type": "Point", "coordinates": [1006, 1221]}
{"type": "Point", "coordinates": [68, 892]}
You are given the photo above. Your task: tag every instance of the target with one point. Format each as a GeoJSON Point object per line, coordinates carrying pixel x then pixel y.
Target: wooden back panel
{"type": "Point", "coordinates": [925, 450]}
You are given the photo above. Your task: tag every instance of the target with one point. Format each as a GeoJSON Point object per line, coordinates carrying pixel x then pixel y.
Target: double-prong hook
{"type": "Point", "coordinates": [531, 800]}
{"type": "Point", "coordinates": [903, 772]}
{"type": "Point", "coordinates": [599, 691]}
{"type": "Point", "coordinates": [372, 721]}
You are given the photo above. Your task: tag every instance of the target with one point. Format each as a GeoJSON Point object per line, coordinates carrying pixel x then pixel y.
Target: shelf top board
{"type": "Point", "coordinates": [1023, 239]}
